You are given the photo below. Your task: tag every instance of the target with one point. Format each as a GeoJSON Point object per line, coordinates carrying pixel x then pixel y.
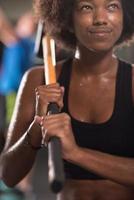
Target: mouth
{"type": "Point", "coordinates": [100, 32]}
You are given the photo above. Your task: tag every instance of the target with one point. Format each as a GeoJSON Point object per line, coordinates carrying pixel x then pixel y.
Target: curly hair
{"type": "Point", "coordinates": [57, 17]}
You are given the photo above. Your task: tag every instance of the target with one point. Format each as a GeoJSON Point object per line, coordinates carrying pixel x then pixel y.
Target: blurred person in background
{"type": "Point", "coordinates": [7, 38]}
{"type": "Point", "coordinates": [17, 58]}
{"type": "Point", "coordinates": [2, 108]}
{"type": "Point", "coordinates": [17, 55]}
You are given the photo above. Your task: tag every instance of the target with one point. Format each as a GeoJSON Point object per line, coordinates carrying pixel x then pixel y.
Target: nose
{"type": "Point", "coordinates": [100, 17]}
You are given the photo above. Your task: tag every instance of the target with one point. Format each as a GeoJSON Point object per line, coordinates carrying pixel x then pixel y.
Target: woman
{"type": "Point", "coordinates": [96, 131]}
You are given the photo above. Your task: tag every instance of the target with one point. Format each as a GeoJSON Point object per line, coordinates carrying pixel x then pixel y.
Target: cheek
{"type": "Point", "coordinates": [80, 26]}
{"type": "Point", "coordinates": [81, 21]}
{"type": "Point", "coordinates": [117, 23]}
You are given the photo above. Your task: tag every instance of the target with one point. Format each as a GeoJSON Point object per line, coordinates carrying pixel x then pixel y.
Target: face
{"type": "Point", "coordinates": [98, 24]}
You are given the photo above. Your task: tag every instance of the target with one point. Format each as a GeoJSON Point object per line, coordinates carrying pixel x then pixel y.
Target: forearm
{"type": "Point", "coordinates": [17, 161]}
{"type": "Point", "coordinates": [118, 169]}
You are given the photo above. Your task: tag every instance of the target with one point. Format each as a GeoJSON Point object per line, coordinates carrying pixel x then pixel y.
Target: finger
{"type": "Point", "coordinates": [55, 123]}
{"type": "Point", "coordinates": [54, 87]}
{"type": "Point", "coordinates": [62, 90]}
{"type": "Point", "coordinates": [49, 96]}
{"type": "Point", "coordinates": [49, 92]}
{"type": "Point", "coordinates": [60, 102]}
{"type": "Point", "coordinates": [38, 119]}
{"type": "Point", "coordinates": [53, 130]}
{"type": "Point", "coordinates": [60, 116]}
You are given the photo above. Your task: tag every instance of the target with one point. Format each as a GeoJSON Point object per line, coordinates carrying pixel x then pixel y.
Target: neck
{"type": "Point", "coordinates": [95, 63]}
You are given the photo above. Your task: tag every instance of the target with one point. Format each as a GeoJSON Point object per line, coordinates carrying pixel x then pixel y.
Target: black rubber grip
{"type": "Point", "coordinates": [55, 163]}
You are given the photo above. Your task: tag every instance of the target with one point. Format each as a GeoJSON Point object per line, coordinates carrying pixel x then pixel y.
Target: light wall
{"type": "Point", "coordinates": [15, 8]}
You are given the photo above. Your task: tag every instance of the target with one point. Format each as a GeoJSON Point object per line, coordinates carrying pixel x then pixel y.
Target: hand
{"type": "Point", "coordinates": [59, 125]}
{"type": "Point", "coordinates": [46, 94]}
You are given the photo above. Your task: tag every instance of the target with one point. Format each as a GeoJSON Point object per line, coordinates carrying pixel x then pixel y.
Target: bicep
{"type": "Point", "coordinates": [23, 113]}
{"type": "Point", "coordinates": [133, 83]}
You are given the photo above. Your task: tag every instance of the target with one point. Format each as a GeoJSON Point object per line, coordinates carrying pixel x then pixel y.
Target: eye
{"type": "Point", "coordinates": [113, 6]}
{"type": "Point", "coordinates": [84, 7]}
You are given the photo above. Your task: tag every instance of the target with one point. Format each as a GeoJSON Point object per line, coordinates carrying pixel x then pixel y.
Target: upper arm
{"type": "Point", "coordinates": [24, 109]}
{"type": "Point", "coordinates": [133, 83]}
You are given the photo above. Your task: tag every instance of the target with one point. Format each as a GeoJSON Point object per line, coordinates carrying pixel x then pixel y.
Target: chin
{"type": "Point", "coordinates": [101, 48]}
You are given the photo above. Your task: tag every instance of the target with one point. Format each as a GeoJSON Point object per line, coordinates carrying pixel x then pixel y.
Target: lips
{"type": "Point", "coordinates": [100, 33]}
{"type": "Point", "coordinates": [99, 30]}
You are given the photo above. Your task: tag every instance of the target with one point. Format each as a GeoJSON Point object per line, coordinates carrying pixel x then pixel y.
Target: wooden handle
{"type": "Point", "coordinates": [55, 164]}
{"type": "Point", "coordinates": [49, 59]}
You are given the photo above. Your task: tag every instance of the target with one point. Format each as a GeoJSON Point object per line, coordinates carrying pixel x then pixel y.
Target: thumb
{"type": "Point", "coordinates": [38, 119]}
{"type": "Point", "coordinates": [62, 90]}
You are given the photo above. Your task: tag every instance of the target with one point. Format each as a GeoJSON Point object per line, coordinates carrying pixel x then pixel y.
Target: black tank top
{"type": "Point", "coordinates": [115, 136]}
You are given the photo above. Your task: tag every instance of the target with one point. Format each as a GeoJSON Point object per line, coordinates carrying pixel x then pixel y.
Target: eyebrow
{"type": "Point", "coordinates": [78, 1]}
{"type": "Point", "coordinates": [113, 0]}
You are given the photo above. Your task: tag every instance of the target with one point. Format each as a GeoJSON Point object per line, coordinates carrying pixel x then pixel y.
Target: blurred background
{"type": "Point", "coordinates": [15, 8]}
{"type": "Point", "coordinates": [17, 40]}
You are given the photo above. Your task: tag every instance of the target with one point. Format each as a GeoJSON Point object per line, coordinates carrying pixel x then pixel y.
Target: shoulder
{"type": "Point", "coordinates": [38, 73]}
{"type": "Point", "coordinates": [35, 74]}
{"type": "Point", "coordinates": [32, 78]}
{"type": "Point", "coordinates": [132, 66]}
{"type": "Point", "coordinates": [132, 72]}
{"type": "Point", "coordinates": [133, 82]}
{"type": "Point", "coordinates": [25, 100]}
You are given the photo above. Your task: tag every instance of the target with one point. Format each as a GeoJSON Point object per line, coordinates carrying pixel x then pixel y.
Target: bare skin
{"type": "Point", "coordinates": [99, 189]}
{"type": "Point", "coordinates": [95, 70]}
{"type": "Point", "coordinates": [95, 190]}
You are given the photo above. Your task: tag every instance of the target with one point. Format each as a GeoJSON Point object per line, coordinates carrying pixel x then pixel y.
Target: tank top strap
{"type": "Point", "coordinates": [124, 87]}
{"type": "Point", "coordinates": [64, 80]}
